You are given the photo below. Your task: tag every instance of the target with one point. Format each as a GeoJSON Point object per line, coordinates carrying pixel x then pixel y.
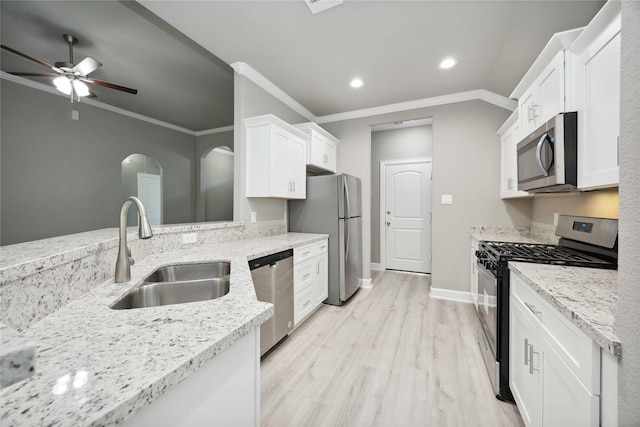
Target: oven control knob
{"type": "Point", "coordinates": [480, 254]}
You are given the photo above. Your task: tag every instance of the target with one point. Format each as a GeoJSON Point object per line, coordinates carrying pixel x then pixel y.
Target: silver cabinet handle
{"type": "Point", "coordinates": [531, 353]}
{"type": "Point", "coordinates": [532, 308]}
{"type": "Point", "coordinates": [388, 223]}
{"type": "Point", "coordinates": [306, 275]}
{"type": "Point", "coordinates": [526, 351]}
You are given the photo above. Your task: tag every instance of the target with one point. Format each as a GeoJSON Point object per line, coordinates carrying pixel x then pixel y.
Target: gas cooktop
{"type": "Point", "coordinates": [542, 254]}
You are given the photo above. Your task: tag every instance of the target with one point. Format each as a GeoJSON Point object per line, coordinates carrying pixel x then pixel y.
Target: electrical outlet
{"type": "Point", "coordinates": [189, 238]}
{"type": "Point", "coordinates": [253, 217]}
{"type": "Point", "coordinates": [447, 199]}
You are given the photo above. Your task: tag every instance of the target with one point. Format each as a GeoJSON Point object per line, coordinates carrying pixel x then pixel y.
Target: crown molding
{"type": "Point", "coordinates": [216, 130]}
{"type": "Point", "coordinates": [249, 72]}
{"type": "Point", "coordinates": [478, 94]}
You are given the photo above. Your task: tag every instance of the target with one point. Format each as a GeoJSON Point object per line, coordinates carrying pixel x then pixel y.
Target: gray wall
{"type": "Point", "coordinates": [628, 309]}
{"type": "Point", "coordinates": [393, 145]}
{"type": "Point", "coordinates": [251, 101]}
{"type": "Point", "coordinates": [601, 203]}
{"type": "Point", "coordinates": [217, 186]}
{"type": "Point", "coordinates": [204, 145]}
{"type": "Point", "coordinates": [464, 140]}
{"type": "Point", "coordinates": [60, 176]}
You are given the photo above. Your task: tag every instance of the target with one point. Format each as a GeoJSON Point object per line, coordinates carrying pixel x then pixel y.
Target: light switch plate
{"type": "Point", "coordinates": [447, 199]}
{"type": "Point", "coordinates": [189, 238]}
{"type": "Point", "coordinates": [253, 217]}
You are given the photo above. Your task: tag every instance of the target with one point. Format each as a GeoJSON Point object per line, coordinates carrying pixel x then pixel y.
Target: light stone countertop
{"type": "Point", "coordinates": [97, 366]}
{"type": "Point", "coordinates": [513, 234]}
{"type": "Point", "coordinates": [585, 296]}
{"type": "Point", "coordinates": [18, 356]}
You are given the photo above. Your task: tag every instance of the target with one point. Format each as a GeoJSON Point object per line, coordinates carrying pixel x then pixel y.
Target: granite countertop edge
{"type": "Point", "coordinates": [592, 315]}
{"type": "Point", "coordinates": [162, 344]}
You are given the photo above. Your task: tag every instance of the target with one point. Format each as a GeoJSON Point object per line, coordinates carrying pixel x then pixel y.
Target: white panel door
{"type": "Point", "coordinates": [407, 217]}
{"type": "Point", "coordinates": [150, 194]}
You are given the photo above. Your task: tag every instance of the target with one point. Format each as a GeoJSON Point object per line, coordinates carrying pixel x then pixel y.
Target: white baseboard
{"type": "Point", "coordinates": [450, 295]}
{"type": "Point", "coordinates": [366, 283]}
{"type": "Point", "coordinates": [376, 266]}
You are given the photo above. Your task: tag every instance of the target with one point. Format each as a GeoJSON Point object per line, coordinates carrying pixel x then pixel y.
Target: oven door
{"type": "Point", "coordinates": [488, 305]}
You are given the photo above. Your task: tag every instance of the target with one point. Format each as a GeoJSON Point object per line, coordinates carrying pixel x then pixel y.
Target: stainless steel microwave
{"type": "Point", "coordinates": [548, 157]}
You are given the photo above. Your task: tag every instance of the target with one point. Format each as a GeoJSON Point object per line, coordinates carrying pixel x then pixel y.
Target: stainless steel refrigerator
{"type": "Point", "coordinates": [334, 206]}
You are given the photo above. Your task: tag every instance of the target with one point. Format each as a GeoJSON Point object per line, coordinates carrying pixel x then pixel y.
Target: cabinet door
{"type": "Point", "coordinates": [317, 150]}
{"type": "Point", "coordinates": [474, 278]}
{"type": "Point", "coordinates": [565, 401]}
{"type": "Point", "coordinates": [296, 161]}
{"type": "Point", "coordinates": [597, 93]}
{"type": "Point", "coordinates": [524, 373]}
{"type": "Point", "coordinates": [550, 89]}
{"type": "Point", "coordinates": [526, 107]}
{"type": "Point", "coordinates": [331, 151]}
{"type": "Point", "coordinates": [509, 164]}
{"type": "Point", "coordinates": [322, 278]}
{"type": "Point", "coordinates": [280, 163]}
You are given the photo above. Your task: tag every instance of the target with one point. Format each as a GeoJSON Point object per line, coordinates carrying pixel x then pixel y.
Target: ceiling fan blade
{"type": "Point", "coordinates": [34, 74]}
{"type": "Point", "coordinates": [37, 61]}
{"type": "Point", "coordinates": [110, 85]}
{"type": "Point", "coordinates": [86, 66]}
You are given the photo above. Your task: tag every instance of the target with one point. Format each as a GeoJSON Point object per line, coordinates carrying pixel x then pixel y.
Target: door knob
{"type": "Point", "coordinates": [388, 212]}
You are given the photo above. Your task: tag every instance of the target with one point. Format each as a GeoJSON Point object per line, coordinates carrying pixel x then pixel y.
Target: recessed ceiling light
{"type": "Point", "coordinates": [356, 83]}
{"type": "Point", "coordinates": [448, 63]}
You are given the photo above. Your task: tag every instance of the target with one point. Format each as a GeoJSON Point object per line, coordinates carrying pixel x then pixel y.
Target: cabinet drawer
{"type": "Point", "coordinates": [321, 247]}
{"type": "Point", "coordinates": [303, 253]}
{"type": "Point", "coordinates": [302, 305]}
{"type": "Point", "coordinates": [304, 274]}
{"type": "Point", "coordinates": [579, 352]}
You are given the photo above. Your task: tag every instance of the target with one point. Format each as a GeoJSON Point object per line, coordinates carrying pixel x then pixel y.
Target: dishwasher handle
{"type": "Point", "coordinates": [270, 260]}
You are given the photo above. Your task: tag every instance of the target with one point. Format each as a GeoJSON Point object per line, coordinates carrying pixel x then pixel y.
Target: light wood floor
{"type": "Point", "coordinates": [391, 356]}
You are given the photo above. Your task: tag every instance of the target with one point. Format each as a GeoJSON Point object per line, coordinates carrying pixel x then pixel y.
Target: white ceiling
{"type": "Point", "coordinates": [394, 46]}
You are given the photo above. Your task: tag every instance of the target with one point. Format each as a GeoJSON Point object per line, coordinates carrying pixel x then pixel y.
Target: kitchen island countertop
{"type": "Point", "coordinates": [98, 366]}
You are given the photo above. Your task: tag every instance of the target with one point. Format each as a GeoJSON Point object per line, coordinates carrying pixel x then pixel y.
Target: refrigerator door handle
{"type": "Point", "coordinates": [347, 232]}
{"type": "Point", "coordinates": [347, 213]}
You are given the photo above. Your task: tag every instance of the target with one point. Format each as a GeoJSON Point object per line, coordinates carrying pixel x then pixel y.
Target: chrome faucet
{"type": "Point", "coordinates": [124, 261]}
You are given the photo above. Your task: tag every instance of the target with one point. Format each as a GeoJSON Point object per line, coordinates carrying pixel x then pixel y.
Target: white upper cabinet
{"type": "Point", "coordinates": [545, 98]}
{"type": "Point", "coordinates": [276, 158]}
{"type": "Point", "coordinates": [321, 148]}
{"type": "Point", "coordinates": [542, 91]}
{"type": "Point", "coordinates": [595, 94]}
{"type": "Point", "coordinates": [509, 135]}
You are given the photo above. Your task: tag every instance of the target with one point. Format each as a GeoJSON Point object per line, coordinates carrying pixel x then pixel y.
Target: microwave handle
{"type": "Point", "coordinates": [544, 168]}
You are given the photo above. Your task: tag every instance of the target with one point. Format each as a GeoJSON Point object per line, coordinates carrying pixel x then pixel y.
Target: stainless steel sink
{"type": "Point", "coordinates": [178, 284]}
{"type": "Point", "coordinates": [183, 272]}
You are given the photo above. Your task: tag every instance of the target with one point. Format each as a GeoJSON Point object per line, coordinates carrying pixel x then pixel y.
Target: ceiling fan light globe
{"type": "Point", "coordinates": [62, 84]}
{"type": "Point", "coordinates": [81, 88]}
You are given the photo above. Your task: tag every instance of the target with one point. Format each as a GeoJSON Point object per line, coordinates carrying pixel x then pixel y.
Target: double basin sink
{"type": "Point", "coordinates": [178, 284]}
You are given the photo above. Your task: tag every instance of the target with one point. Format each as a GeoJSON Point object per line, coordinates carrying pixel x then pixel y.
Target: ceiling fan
{"type": "Point", "coordinates": [71, 79]}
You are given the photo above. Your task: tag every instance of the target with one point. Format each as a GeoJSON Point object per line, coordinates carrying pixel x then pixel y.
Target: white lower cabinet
{"type": "Point", "coordinates": [554, 367]}
{"type": "Point", "coordinates": [225, 391]}
{"type": "Point", "coordinates": [474, 273]}
{"type": "Point", "coordinates": [310, 279]}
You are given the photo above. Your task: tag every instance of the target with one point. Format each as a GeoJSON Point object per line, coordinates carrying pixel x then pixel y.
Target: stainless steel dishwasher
{"type": "Point", "coordinates": [273, 280]}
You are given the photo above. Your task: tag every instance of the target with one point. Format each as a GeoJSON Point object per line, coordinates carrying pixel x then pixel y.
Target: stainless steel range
{"type": "Point", "coordinates": [584, 242]}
